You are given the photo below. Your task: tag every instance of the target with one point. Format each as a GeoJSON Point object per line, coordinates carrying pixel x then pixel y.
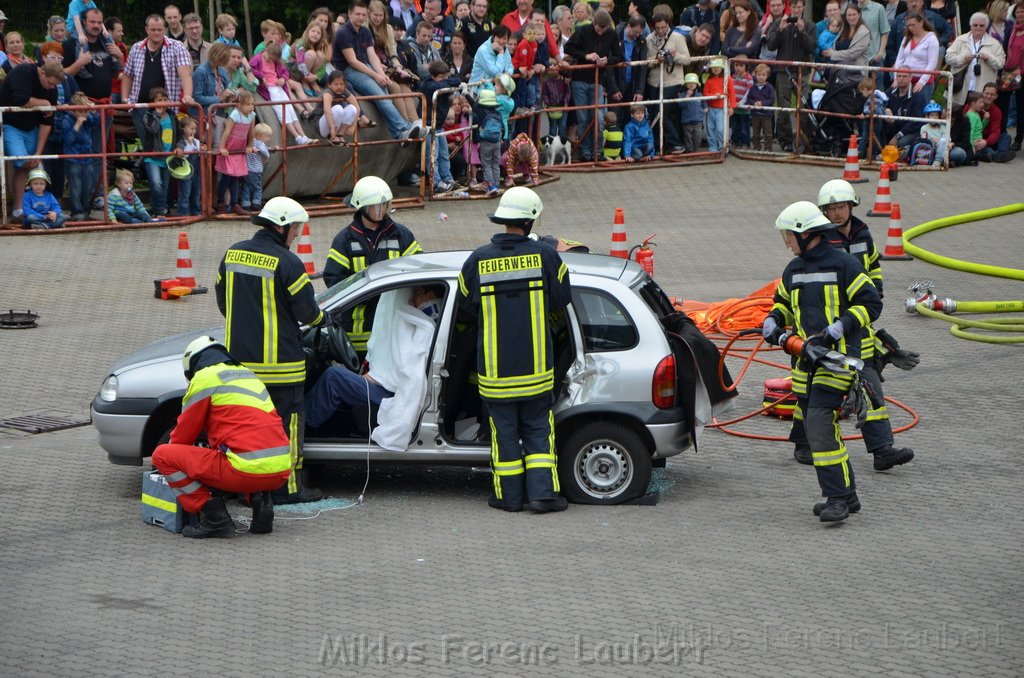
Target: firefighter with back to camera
{"type": "Point", "coordinates": [511, 287]}
{"type": "Point", "coordinates": [829, 300]}
{"type": "Point", "coordinates": [265, 295]}
{"type": "Point", "coordinates": [371, 237]}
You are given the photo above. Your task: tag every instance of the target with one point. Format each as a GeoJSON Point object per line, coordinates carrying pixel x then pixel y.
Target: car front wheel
{"type": "Point", "coordinates": [603, 463]}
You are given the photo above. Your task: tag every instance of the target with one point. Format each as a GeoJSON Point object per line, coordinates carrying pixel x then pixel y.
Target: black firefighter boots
{"type": "Point", "coordinates": [303, 495]}
{"type": "Point", "coordinates": [262, 513]}
{"type": "Point", "coordinates": [802, 454]}
{"type": "Point", "coordinates": [852, 505]}
{"type": "Point", "coordinates": [496, 503]}
{"type": "Point", "coordinates": [889, 456]}
{"type": "Point", "coordinates": [548, 505]}
{"type": "Point", "coordinates": [214, 521]}
{"type": "Point", "coordinates": [836, 509]}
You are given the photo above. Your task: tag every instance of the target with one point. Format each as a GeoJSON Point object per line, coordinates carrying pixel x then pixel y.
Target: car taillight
{"type": "Point", "coordinates": [663, 385]}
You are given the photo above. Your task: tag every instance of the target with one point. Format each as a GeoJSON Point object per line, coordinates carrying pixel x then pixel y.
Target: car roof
{"type": "Point", "coordinates": [448, 264]}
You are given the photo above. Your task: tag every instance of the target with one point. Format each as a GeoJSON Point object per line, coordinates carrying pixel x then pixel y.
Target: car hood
{"type": "Point", "coordinates": [162, 350]}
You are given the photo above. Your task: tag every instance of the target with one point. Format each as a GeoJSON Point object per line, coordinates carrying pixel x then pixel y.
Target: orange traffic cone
{"type": "Point", "coordinates": [619, 247]}
{"type": "Point", "coordinates": [305, 252]}
{"type": "Point", "coordinates": [184, 274]}
{"type": "Point", "coordinates": [883, 200]}
{"type": "Point", "coordinates": [894, 240]}
{"type": "Point", "coordinates": [851, 172]}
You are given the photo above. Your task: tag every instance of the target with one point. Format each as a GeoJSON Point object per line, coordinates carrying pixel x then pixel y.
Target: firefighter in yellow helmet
{"type": "Point", "coordinates": [265, 295]}
{"type": "Point", "coordinates": [828, 299]}
{"type": "Point", "coordinates": [512, 286]}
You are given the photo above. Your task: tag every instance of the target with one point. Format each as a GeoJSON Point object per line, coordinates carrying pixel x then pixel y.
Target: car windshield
{"type": "Point", "coordinates": [327, 298]}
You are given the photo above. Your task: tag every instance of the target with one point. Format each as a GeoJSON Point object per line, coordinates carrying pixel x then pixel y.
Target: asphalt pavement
{"type": "Point", "coordinates": [730, 574]}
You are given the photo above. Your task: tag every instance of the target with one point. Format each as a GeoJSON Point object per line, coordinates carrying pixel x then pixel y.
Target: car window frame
{"type": "Point", "coordinates": [577, 304]}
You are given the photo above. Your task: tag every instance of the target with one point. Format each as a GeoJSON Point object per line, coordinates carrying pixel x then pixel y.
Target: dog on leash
{"type": "Point", "coordinates": [556, 150]}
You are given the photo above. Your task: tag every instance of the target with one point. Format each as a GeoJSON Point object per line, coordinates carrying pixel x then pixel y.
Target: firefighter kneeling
{"type": "Point", "coordinates": [248, 452]}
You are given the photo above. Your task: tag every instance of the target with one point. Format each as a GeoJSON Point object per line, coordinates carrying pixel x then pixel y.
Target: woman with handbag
{"type": "Point", "coordinates": [974, 58]}
{"type": "Point", "coordinates": [1010, 80]}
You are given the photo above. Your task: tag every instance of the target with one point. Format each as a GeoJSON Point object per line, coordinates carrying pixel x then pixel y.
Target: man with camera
{"type": "Point", "coordinates": [795, 39]}
{"type": "Point", "coordinates": [669, 47]}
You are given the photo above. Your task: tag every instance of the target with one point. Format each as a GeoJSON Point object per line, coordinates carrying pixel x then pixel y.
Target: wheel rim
{"type": "Point", "coordinates": [603, 469]}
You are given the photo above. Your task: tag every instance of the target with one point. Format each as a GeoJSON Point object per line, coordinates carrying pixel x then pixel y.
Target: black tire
{"type": "Point", "coordinates": [603, 463]}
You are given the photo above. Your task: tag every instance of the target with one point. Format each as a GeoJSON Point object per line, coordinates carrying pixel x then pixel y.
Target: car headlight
{"type": "Point", "coordinates": [108, 391]}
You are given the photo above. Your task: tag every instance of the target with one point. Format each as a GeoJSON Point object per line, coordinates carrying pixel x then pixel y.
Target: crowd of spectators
{"type": "Point", "coordinates": [401, 49]}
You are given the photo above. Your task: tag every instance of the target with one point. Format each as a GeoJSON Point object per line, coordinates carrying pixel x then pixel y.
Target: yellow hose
{"type": "Point", "coordinates": [958, 324]}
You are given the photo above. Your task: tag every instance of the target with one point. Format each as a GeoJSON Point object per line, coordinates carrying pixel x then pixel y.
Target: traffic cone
{"type": "Point", "coordinates": [305, 252]}
{"type": "Point", "coordinates": [619, 247]}
{"type": "Point", "coordinates": [894, 239]}
{"type": "Point", "coordinates": [184, 274]}
{"type": "Point", "coordinates": [851, 172]}
{"type": "Point", "coordinates": [883, 201]}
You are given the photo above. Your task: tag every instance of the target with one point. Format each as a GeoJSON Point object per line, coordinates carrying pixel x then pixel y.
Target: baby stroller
{"type": "Point", "coordinates": [831, 135]}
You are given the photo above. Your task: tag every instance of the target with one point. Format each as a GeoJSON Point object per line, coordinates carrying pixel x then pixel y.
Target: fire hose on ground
{"type": "Point", "coordinates": [924, 301]}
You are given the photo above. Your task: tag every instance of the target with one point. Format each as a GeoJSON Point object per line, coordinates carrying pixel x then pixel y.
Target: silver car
{"type": "Point", "coordinates": [617, 412]}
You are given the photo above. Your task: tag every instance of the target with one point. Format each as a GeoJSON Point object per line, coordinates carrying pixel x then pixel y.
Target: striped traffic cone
{"type": "Point", "coordinates": [184, 273]}
{"type": "Point", "coordinates": [619, 247]}
{"type": "Point", "coordinates": [305, 252]}
{"type": "Point", "coordinates": [894, 239]}
{"type": "Point", "coordinates": [883, 199]}
{"type": "Point", "coordinates": [851, 172]}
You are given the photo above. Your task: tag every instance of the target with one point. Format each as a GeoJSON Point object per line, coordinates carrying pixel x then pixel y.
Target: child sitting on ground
{"type": "Point", "coordinates": [251, 194]}
{"type": "Point", "coordinates": [692, 116]}
{"type": "Point", "coordinates": [123, 205]}
{"type": "Point", "coordinates": [522, 157]}
{"type": "Point", "coordinates": [637, 136]}
{"type": "Point", "coordinates": [936, 132]}
{"type": "Point", "coordinates": [611, 135]}
{"type": "Point", "coordinates": [40, 209]}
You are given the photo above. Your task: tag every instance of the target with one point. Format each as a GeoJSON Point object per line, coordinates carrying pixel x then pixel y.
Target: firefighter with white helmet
{"type": "Point", "coordinates": [248, 450]}
{"type": "Point", "coordinates": [513, 287]}
{"type": "Point", "coordinates": [371, 237]}
{"type": "Point", "coordinates": [265, 295]}
{"type": "Point", "coordinates": [828, 299]}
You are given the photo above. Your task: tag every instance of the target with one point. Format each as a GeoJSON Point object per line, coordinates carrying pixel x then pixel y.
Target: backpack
{"type": "Point", "coordinates": [491, 127]}
{"type": "Point", "coordinates": [922, 152]}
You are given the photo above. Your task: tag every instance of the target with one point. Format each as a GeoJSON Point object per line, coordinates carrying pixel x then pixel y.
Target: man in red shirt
{"type": "Point", "coordinates": [994, 144]}
{"type": "Point", "coordinates": [248, 450]}
{"type": "Point", "coordinates": [517, 19]}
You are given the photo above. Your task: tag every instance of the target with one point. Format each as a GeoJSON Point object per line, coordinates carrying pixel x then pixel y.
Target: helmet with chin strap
{"type": "Point", "coordinates": [519, 207]}
{"type": "Point", "coordinates": [190, 357]}
{"type": "Point", "coordinates": [281, 212]}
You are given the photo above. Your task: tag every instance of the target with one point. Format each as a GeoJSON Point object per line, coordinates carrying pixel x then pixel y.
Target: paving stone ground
{"type": "Point", "coordinates": [729, 574]}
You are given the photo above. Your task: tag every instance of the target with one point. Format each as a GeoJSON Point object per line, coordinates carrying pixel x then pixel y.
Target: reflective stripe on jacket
{"type": "Point", "coordinates": [234, 408]}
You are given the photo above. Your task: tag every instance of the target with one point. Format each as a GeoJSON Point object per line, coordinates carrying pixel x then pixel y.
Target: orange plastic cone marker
{"type": "Point", "coordinates": [883, 199]}
{"type": "Point", "coordinates": [184, 273]}
{"type": "Point", "coordinates": [619, 247]}
{"type": "Point", "coordinates": [851, 172]}
{"type": "Point", "coordinates": [305, 252]}
{"type": "Point", "coordinates": [894, 239]}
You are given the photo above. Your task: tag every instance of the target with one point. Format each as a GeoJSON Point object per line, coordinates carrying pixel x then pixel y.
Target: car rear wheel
{"type": "Point", "coordinates": [603, 463]}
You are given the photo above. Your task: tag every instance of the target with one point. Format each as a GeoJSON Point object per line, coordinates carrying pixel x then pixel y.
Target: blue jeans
{"type": "Point", "coordinates": [1002, 145]}
{"type": "Point", "coordinates": [188, 190]}
{"type": "Point", "coordinates": [442, 163]}
{"type": "Point", "coordinates": [740, 125]}
{"type": "Point", "coordinates": [81, 179]}
{"type": "Point", "coordinates": [251, 194]}
{"type": "Point", "coordinates": [641, 151]}
{"type": "Point", "coordinates": [159, 181]}
{"type": "Point", "coordinates": [716, 129]}
{"type": "Point", "coordinates": [957, 156]}
{"type": "Point", "coordinates": [340, 389]}
{"type": "Point", "coordinates": [38, 222]}
{"type": "Point", "coordinates": [129, 217]}
{"type": "Point", "coordinates": [583, 94]}
{"type": "Point", "coordinates": [367, 86]}
{"type": "Point", "coordinates": [558, 127]}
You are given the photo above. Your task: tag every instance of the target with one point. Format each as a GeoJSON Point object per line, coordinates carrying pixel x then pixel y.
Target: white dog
{"type": "Point", "coordinates": [556, 150]}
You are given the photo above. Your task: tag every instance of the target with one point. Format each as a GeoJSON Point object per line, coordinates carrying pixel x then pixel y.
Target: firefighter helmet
{"type": "Point", "coordinates": [192, 351]}
{"type": "Point", "coordinates": [281, 211]}
{"type": "Point", "coordinates": [370, 191]}
{"type": "Point", "coordinates": [519, 206]}
{"type": "Point", "coordinates": [803, 217]}
{"type": "Point", "coordinates": [837, 190]}
{"type": "Point", "coordinates": [37, 173]}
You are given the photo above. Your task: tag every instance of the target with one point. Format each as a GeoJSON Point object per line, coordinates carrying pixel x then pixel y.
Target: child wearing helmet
{"type": "Point", "coordinates": [692, 117]}
{"type": "Point", "coordinates": [717, 84]}
{"type": "Point", "coordinates": [40, 208]}
{"type": "Point", "coordinates": [828, 299]}
{"type": "Point", "coordinates": [936, 132]}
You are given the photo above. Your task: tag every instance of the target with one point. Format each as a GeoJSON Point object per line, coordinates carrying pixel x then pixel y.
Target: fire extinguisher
{"type": "Point", "coordinates": [645, 255]}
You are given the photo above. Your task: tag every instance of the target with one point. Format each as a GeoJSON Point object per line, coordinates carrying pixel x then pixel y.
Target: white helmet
{"type": "Point", "coordinates": [192, 351]}
{"type": "Point", "coordinates": [803, 217]}
{"type": "Point", "coordinates": [837, 190]}
{"type": "Point", "coordinates": [370, 191]}
{"type": "Point", "coordinates": [281, 211]}
{"type": "Point", "coordinates": [518, 204]}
